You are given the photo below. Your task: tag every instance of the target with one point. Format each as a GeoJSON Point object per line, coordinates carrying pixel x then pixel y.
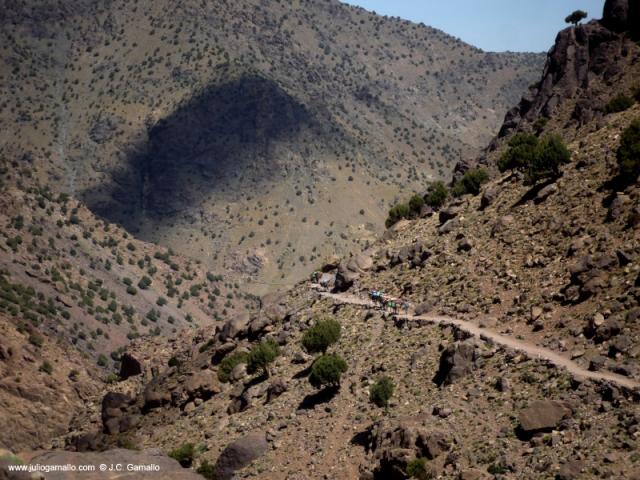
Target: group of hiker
{"type": "Point", "coordinates": [387, 302]}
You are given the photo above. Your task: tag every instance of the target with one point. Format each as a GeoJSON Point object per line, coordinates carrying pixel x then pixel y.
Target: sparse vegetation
{"type": "Point", "coordinates": [540, 159]}
{"type": "Point", "coordinates": [418, 468]}
{"type": "Point", "coordinates": [229, 362]}
{"type": "Point", "coordinates": [628, 154]}
{"type": "Point", "coordinates": [261, 356]}
{"type": "Point", "coordinates": [184, 454]}
{"type": "Point", "coordinates": [619, 103]}
{"type": "Point", "coordinates": [470, 182]}
{"type": "Point", "coordinates": [437, 194]}
{"type": "Point", "coordinates": [381, 392]}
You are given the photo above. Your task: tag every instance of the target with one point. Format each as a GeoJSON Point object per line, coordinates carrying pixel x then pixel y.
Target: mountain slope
{"type": "Point", "coordinates": [246, 133]}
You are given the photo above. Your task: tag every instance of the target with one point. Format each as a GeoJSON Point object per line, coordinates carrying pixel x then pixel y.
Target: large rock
{"type": "Point", "coordinates": [116, 415]}
{"type": "Point", "coordinates": [151, 465]}
{"type": "Point", "coordinates": [543, 415]}
{"type": "Point", "coordinates": [350, 271]}
{"type": "Point", "coordinates": [201, 384]}
{"type": "Point", "coordinates": [456, 361]}
{"type": "Point", "coordinates": [129, 366]}
{"type": "Point", "coordinates": [239, 454]}
{"type": "Point", "coordinates": [616, 15]}
{"type": "Point", "coordinates": [235, 327]}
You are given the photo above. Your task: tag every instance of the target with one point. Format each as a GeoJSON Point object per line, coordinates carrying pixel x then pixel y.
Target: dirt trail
{"type": "Point", "coordinates": [339, 436]}
{"type": "Point", "coordinates": [531, 350]}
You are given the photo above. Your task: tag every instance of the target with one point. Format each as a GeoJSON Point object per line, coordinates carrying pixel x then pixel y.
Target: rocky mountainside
{"type": "Point", "coordinates": [517, 359]}
{"type": "Point", "coordinates": [256, 136]}
{"type": "Point", "coordinates": [74, 291]}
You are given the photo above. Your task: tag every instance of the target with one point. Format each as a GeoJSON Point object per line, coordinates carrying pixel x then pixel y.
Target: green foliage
{"type": "Point", "coordinates": [397, 213]}
{"type": "Point", "coordinates": [144, 283]}
{"type": "Point", "coordinates": [327, 370]}
{"type": "Point", "coordinates": [550, 153]}
{"type": "Point", "coordinates": [207, 470]}
{"type": "Point", "coordinates": [102, 360]}
{"type": "Point", "coordinates": [437, 194]}
{"type": "Point", "coordinates": [576, 17]}
{"type": "Point", "coordinates": [36, 340]}
{"type": "Point", "coordinates": [415, 204]}
{"type": "Point", "coordinates": [495, 469]}
{"type": "Point", "coordinates": [470, 182]}
{"type": "Point", "coordinates": [521, 151]}
{"type": "Point", "coordinates": [261, 356]}
{"type": "Point", "coordinates": [382, 391]}
{"type": "Point", "coordinates": [229, 362]}
{"type": "Point", "coordinates": [629, 153]}
{"type": "Point", "coordinates": [323, 334]}
{"type": "Point", "coordinates": [418, 468]}
{"type": "Point", "coordinates": [619, 103]}
{"type": "Point", "coordinates": [184, 454]}
{"type": "Point", "coordinates": [46, 367]}
{"type": "Point", "coordinates": [131, 290]}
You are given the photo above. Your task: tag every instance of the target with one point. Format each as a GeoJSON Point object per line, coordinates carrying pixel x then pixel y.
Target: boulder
{"type": "Point", "coordinates": [448, 213]}
{"type": "Point", "coordinates": [115, 415]}
{"type": "Point", "coordinates": [449, 226]}
{"type": "Point", "coordinates": [456, 361]}
{"type": "Point", "coordinates": [502, 224]}
{"type": "Point", "coordinates": [543, 415]}
{"type": "Point", "coordinates": [201, 384]}
{"type": "Point", "coordinates": [331, 263]}
{"type": "Point", "coordinates": [545, 193]}
{"type": "Point", "coordinates": [616, 15]}
{"type": "Point", "coordinates": [423, 308]}
{"type": "Point", "coordinates": [155, 395]}
{"type": "Point", "coordinates": [276, 388]}
{"type": "Point", "coordinates": [239, 454]}
{"type": "Point", "coordinates": [489, 196]}
{"type": "Point", "coordinates": [129, 366]}
{"type": "Point", "coordinates": [235, 327]}
{"type": "Point", "coordinates": [350, 271]}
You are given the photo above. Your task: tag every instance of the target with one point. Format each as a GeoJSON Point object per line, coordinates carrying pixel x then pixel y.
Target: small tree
{"type": "Point", "coordinates": [397, 213]}
{"type": "Point", "coordinates": [415, 204]}
{"type": "Point", "coordinates": [382, 391]}
{"type": "Point", "coordinates": [521, 151]}
{"type": "Point", "coordinates": [629, 153]}
{"type": "Point", "coordinates": [321, 336]}
{"type": "Point", "coordinates": [470, 182]}
{"type": "Point", "coordinates": [576, 17]}
{"type": "Point", "coordinates": [619, 103]}
{"type": "Point", "coordinates": [327, 371]}
{"type": "Point", "coordinates": [437, 194]}
{"type": "Point", "coordinates": [550, 154]}
{"type": "Point", "coordinates": [261, 356]}
{"type": "Point", "coordinates": [230, 362]}
{"type": "Point", "coordinates": [418, 468]}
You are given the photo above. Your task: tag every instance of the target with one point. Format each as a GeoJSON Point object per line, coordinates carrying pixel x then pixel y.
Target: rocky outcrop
{"type": "Point", "coordinates": [240, 453]}
{"type": "Point", "coordinates": [129, 366]}
{"type": "Point", "coordinates": [456, 361]}
{"type": "Point", "coordinates": [350, 271]}
{"type": "Point", "coordinates": [543, 415]}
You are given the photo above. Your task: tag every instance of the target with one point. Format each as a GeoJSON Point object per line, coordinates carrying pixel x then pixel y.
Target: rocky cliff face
{"type": "Point", "coordinates": [583, 65]}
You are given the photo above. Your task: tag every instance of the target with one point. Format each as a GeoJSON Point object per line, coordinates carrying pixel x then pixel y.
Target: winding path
{"type": "Point", "coordinates": [531, 350]}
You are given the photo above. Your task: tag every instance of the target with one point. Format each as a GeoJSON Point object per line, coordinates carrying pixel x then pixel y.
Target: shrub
{"type": "Point", "coordinates": [184, 454]}
{"type": "Point", "coordinates": [207, 470]}
{"type": "Point", "coordinates": [522, 149]}
{"type": "Point", "coordinates": [46, 367]}
{"type": "Point", "coordinates": [470, 182]}
{"type": "Point", "coordinates": [36, 340]}
{"type": "Point", "coordinates": [397, 213]}
{"type": "Point", "coordinates": [436, 195]}
{"type": "Point", "coordinates": [323, 334]}
{"type": "Point", "coordinates": [173, 362]}
{"type": "Point", "coordinates": [131, 290]}
{"type": "Point", "coordinates": [102, 360]}
{"type": "Point", "coordinates": [550, 154]}
{"type": "Point", "coordinates": [415, 204]}
{"type": "Point", "coordinates": [228, 363]}
{"type": "Point", "coordinates": [261, 356]}
{"type": "Point", "coordinates": [629, 152]}
{"type": "Point", "coordinates": [417, 468]}
{"type": "Point", "coordinates": [619, 103]}
{"type": "Point", "coordinates": [382, 391]}
{"type": "Point", "coordinates": [144, 283]}
{"type": "Point", "coordinates": [327, 370]}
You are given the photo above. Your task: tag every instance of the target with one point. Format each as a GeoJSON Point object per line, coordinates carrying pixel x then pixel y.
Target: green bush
{"type": "Point", "coordinates": [323, 334]}
{"type": "Point", "coordinates": [470, 182]}
{"type": "Point", "coordinates": [436, 195]}
{"type": "Point", "coordinates": [261, 356]}
{"type": "Point", "coordinates": [36, 340]}
{"type": "Point", "coordinates": [619, 103]}
{"type": "Point", "coordinates": [46, 367]}
{"type": "Point", "coordinates": [521, 151]}
{"type": "Point", "coordinates": [415, 204]}
{"type": "Point", "coordinates": [397, 213]}
{"type": "Point", "coordinates": [327, 370]}
{"type": "Point", "coordinates": [629, 152]}
{"type": "Point", "coordinates": [207, 470]}
{"type": "Point", "coordinates": [144, 283]}
{"type": "Point", "coordinates": [418, 468]}
{"type": "Point", "coordinates": [102, 360]}
{"type": "Point", "coordinates": [228, 363]}
{"type": "Point", "coordinates": [550, 153]}
{"type": "Point", "coordinates": [382, 391]}
{"type": "Point", "coordinates": [184, 454]}
{"type": "Point", "coordinates": [131, 290]}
